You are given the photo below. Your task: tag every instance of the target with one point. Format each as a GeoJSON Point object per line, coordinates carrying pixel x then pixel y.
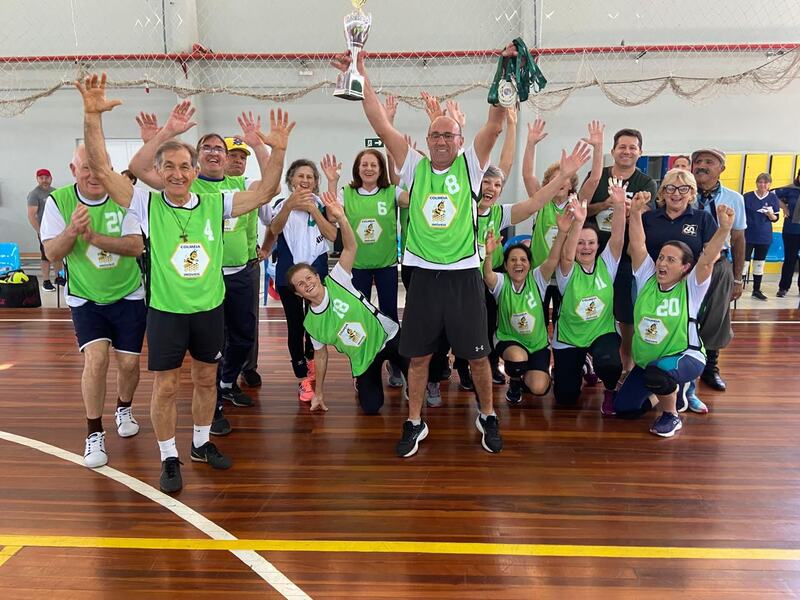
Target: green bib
{"type": "Point", "coordinates": [661, 321]}
{"type": "Point", "coordinates": [520, 316]}
{"type": "Point", "coordinates": [92, 273]}
{"type": "Point", "coordinates": [403, 228]}
{"type": "Point", "coordinates": [349, 324]}
{"type": "Point", "coordinates": [185, 255]}
{"type": "Point", "coordinates": [491, 221]}
{"type": "Point", "coordinates": [441, 216]}
{"type": "Point", "coordinates": [374, 222]}
{"type": "Point", "coordinates": [587, 309]}
{"type": "Point", "coordinates": [544, 232]}
{"type": "Point", "coordinates": [239, 232]}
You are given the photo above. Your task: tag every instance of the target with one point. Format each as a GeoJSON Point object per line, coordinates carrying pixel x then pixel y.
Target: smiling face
{"type": "Point", "coordinates": [88, 186]}
{"type": "Point", "coordinates": [177, 173]}
{"type": "Point", "coordinates": [762, 186]}
{"type": "Point", "coordinates": [586, 251]}
{"type": "Point", "coordinates": [303, 178]}
{"type": "Point", "coordinates": [626, 152]}
{"type": "Point", "coordinates": [308, 285]}
{"type": "Point", "coordinates": [212, 155]}
{"type": "Point", "coordinates": [236, 163]}
{"type": "Point", "coordinates": [517, 265]}
{"type": "Point", "coordinates": [490, 191]}
{"type": "Point", "coordinates": [706, 169]}
{"type": "Point", "coordinates": [444, 142]}
{"type": "Point", "coordinates": [369, 169]}
{"type": "Point", "coordinates": [670, 267]}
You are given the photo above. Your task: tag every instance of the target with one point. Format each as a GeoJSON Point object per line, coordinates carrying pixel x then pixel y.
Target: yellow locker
{"type": "Point", "coordinates": [732, 175]}
{"type": "Point", "coordinates": [754, 165]}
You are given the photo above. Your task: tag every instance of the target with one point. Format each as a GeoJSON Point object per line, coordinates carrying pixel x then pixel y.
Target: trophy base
{"type": "Point", "coordinates": [350, 86]}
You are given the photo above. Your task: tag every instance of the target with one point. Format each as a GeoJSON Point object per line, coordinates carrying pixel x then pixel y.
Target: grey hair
{"type": "Point", "coordinates": [171, 146]}
{"type": "Point", "coordinates": [493, 171]}
{"type": "Point", "coordinates": [764, 177]}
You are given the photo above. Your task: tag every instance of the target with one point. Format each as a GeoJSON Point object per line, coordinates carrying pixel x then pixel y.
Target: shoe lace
{"type": "Point", "coordinates": [125, 413]}
{"type": "Point", "coordinates": [96, 442]}
{"type": "Point", "coordinates": [305, 385]}
{"type": "Point", "coordinates": [171, 466]}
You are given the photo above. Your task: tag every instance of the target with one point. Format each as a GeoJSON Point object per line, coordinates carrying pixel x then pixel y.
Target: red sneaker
{"type": "Point", "coordinates": [305, 391]}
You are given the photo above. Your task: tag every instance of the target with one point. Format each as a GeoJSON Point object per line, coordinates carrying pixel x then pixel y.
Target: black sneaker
{"type": "Point", "coordinates": [514, 392]}
{"type": "Point", "coordinates": [758, 295]}
{"type": "Point", "coordinates": [490, 428]}
{"type": "Point", "coordinates": [412, 436]}
{"type": "Point", "coordinates": [220, 425]}
{"type": "Point", "coordinates": [498, 378]}
{"type": "Point", "coordinates": [465, 379]}
{"type": "Point", "coordinates": [61, 281]}
{"type": "Point", "coordinates": [48, 286]}
{"type": "Point", "coordinates": [234, 395]}
{"type": "Point", "coordinates": [171, 480]}
{"type": "Point", "coordinates": [251, 378]}
{"type": "Point", "coordinates": [781, 293]}
{"type": "Point", "coordinates": [208, 453]}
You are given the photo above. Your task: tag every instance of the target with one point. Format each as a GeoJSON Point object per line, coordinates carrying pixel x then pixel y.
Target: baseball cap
{"type": "Point", "coordinates": [236, 143]}
{"type": "Point", "coordinates": [718, 153]}
{"type": "Point", "coordinates": [41, 172]}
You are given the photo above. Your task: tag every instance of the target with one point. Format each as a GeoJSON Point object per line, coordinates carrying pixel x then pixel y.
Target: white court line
{"type": "Point", "coordinates": [261, 566]}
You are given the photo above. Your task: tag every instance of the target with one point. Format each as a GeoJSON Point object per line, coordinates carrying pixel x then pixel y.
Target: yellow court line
{"type": "Point", "coordinates": [7, 552]}
{"type": "Point", "coordinates": [479, 549]}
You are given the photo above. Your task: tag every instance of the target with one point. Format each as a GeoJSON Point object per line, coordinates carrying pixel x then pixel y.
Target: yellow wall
{"type": "Point", "coordinates": [732, 175]}
{"type": "Point", "coordinates": [754, 165]}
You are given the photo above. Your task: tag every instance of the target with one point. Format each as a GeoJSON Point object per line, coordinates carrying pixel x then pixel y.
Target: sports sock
{"type": "Point", "coordinates": [200, 435]}
{"type": "Point", "coordinates": [168, 449]}
{"type": "Point", "coordinates": [94, 425]}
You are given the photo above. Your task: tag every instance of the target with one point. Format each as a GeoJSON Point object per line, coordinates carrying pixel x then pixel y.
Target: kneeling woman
{"type": "Point", "coordinates": [586, 322]}
{"type": "Point", "coordinates": [339, 315]}
{"type": "Point", "coordinates": [666, 346]}
{"type": "Point", "coordinates": [521, 336]}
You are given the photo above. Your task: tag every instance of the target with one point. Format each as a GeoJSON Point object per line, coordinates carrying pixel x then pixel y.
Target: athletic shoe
{"type": "Point", "coordinates": [94, 454]}
{"type": "Point", "coordinates": [208, 453]}
{"type": "Point", "coordinates": [234, 395]}
{"type": "Point", "coordinates": [758, 295]}
{"type": "Point", "coordinates": [514, 392]}
{"type": "Point", "coordinates": [126, 424]}
{"type": "Point", "coordinates": [697, 406]}
{"type": "Point", "coordinates": [666, 425]}
{"type": "Point", "coordinates": [682, 401]}
{"type": "Point", "coordinates": [782, 293]}
{"type": "Point", "coordinates": [312, 371]}
{"type": "Point", "coordinates": [251, 378]}
{"type": "Point", "coordinates": [305, 391]}
{"type": "Point", "coordinates": [395, 375]}
{"type": "Point", "coordinates": [607, 408]}
{"type": "Point", "coordinates": [498, 377]}
{"type": "Point", "coordinates": [47, 286]}
{"type": "Point", "coordinates": [220, 425]}
{"type": "Point", "coordinates": [465, 379]}
{"type": "Point", "coordinates": [433, 395]}
{"type": "Point", "coordinates": [61, 281]}
{"type": "Point", "coordinates": [490, 428]}
{"type": "Point", "coordinates": [589, 376]}
{"type": "Point", "coordinates": [171, 480]}
{"type": "Point", "coordinates": [412, 436]}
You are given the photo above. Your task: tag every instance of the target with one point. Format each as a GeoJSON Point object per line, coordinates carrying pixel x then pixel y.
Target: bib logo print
{"type": "Point", "coordinates": [102, 259]}
{"type": "Point", "coordinates": [230, 224]}
{"type": "Point", "coordinates": [652, 331]}
{"type": "Point", "coordinates": [369, 231]}
{"type": "Point", "coordinates": [352, 334]}
{"type": "Point", "coordinates": [190, 260]}
{"type": "Point", "coordinates": [523, 322]}
{"type": "Point", "coordinates": [439, 211]}
{"type": "Point", "coordinates": [590, 308]}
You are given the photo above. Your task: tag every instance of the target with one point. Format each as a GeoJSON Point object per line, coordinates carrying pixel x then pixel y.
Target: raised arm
{"type": "Point", "coordinates": [251, 130]}
{"type": "Point", "coordinates": [536, 134]}
{"type": "Point", "coordinates": [489, 276]}
{"type": "Point", "coordinates": [595, 140]}
{"type": "Point", "coordinates": [335, 212]}
{"type": "Point", "coordinates": [488, 134]}
{"type": "Point", "coordinates": [567, 258]}
{"type": "Point", "coordinates": [571, 218]}
{"type": "Point", "coordinates": [142, 164]}
{"type": "Point", "coordinates": [636, 244]}
{"type": "Point", "coordinates": [568, 166]}
{"type": "Point", "coordinates": [392, 139]}
{"type": "Point", "coordinates": [332, 169]}
{"type": "Point", "coordinates": [618, 196]}
{"type": "Point", "coordinates": [95, 103]}
{"type": "Point", "coordinates": [509, 143]}
{"type": "Point", "coordinates": [705, 264]}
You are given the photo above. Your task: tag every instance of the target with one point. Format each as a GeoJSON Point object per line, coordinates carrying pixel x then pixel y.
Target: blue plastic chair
{"type": "Point", "coordinates": [9, 257]}
{"type": "Point", "coordinates": [517, 239]}
{"type": "Point", "coordinates": [775, 253]}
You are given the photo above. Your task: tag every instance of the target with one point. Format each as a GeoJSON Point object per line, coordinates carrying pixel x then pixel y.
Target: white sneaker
{"type": "Point", "coordinates": [126, 424]}
{"type": "Point", "coordinates": [95, 453]}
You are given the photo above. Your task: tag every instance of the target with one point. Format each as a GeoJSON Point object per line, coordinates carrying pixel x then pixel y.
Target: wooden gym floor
{"type": "Point", "coordinates": [319, 506]}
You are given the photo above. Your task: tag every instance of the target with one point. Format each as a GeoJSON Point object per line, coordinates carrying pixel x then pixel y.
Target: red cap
{"type": "Point", "coordinates": [41, 172]}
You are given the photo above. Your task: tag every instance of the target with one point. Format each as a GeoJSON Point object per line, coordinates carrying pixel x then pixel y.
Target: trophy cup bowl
{"type": "Point", "coordinates": [350, 84]}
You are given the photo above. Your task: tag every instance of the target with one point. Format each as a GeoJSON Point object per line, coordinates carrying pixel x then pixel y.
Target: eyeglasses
{"type": "Point", "coordinates": [447, 137]}
{"type": "Point", "coordinates": [212, 150]}
{"type": "Point", "coordinates": [683, 189]}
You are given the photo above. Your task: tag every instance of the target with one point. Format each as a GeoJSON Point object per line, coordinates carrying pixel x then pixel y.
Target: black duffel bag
{"type": "Point", "coordinates": [18, 290]}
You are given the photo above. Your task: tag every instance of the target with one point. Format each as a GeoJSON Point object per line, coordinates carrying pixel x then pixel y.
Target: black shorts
{"type": "Point", "coordinates": [537, 361]}
{"type": "Point", "coordinates": [623, 292]}
{"type": "Point", "coordinates": [449, 303]}
{"type": "Point", "coordinates": [121, 324]}
{"type": "Point", "coordinates": [170, 335]}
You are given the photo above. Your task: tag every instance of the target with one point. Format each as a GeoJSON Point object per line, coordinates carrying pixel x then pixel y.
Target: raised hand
{"type": "Point", "coordinates": [331, 167]}
{"type": "Point", "coordinates": [454, 111]}
{"type": "Point", "coordinates": [509, 50]}
{"type": "Point", "coordinates": [536, 132]}
{"type": "Point", "coordinates": [390, 107]}
{"type": "Point", "coordinates": [280, 128]}
{"type": "Point", "coordinates": [596, 131]}
{"type": "Point", "coordinates": [333, 210]}
{"type": "Point", "coordinates": [93, 90]}
{"type": "Point", "coordinates": [411, 143]}
{"type": "Point", "coordinates": [432, 106]}
{"type": "Point", "coordinates": [343, 61]}
{"type": "Point", "coordinates": [490, 245]}
{"type": "Point", "coordinates": [617, 192]}
{"type": "Point", "coordinates": [180, 119]}
{"type": "Point", "coordinates": [251, 127]}
{"type": "Point", "coordinates": [640, 202]}
{"type": "Point", "coordinates": [148, 126]}
{"type": "Point", "coordinates": [725, 216]}
{"type": "Point", "coordinates": [569, 165]}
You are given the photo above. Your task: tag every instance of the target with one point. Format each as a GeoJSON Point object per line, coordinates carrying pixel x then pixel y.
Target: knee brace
{"type": "Point", "coordinates": [758, 267]}
{"type": "Point", "coordinates": [658, 381]}
{"type": "Point", "coordinates": [515, 370]}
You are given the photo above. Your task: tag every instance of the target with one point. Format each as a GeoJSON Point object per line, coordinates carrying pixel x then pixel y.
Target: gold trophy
{"type": "Point", "coordinates": [350, 84]}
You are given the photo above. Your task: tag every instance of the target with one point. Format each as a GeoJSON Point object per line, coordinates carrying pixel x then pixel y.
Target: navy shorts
{"type": "Point", "coordinates": [537, 361]}
{"type": "Point", "coordinates": [170, 335]}
{"type": "Point", "coordinates": [121, 323]}
{"type": "Point", "coordinates": [633, 397]}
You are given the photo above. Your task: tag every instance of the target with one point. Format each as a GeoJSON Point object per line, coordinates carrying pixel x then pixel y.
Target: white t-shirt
{"type": "Point", "coordinates": [563, 280]}
{"type": "Point", "coordinates": [304, 239]}
{"type": "Point", "coordinates": [345, 279]}
{"type": "Point", "coordinates": [53, 225]}
{"type": "Point", "coordinates": [503, 279]}
{"type": "Point", "coordinates": [476, 172]}
{"type": "Point", "coordinates": [696, 293]}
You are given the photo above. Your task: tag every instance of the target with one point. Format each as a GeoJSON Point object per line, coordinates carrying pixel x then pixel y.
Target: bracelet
{"type": "Point", "coordinates": [738, 282]}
